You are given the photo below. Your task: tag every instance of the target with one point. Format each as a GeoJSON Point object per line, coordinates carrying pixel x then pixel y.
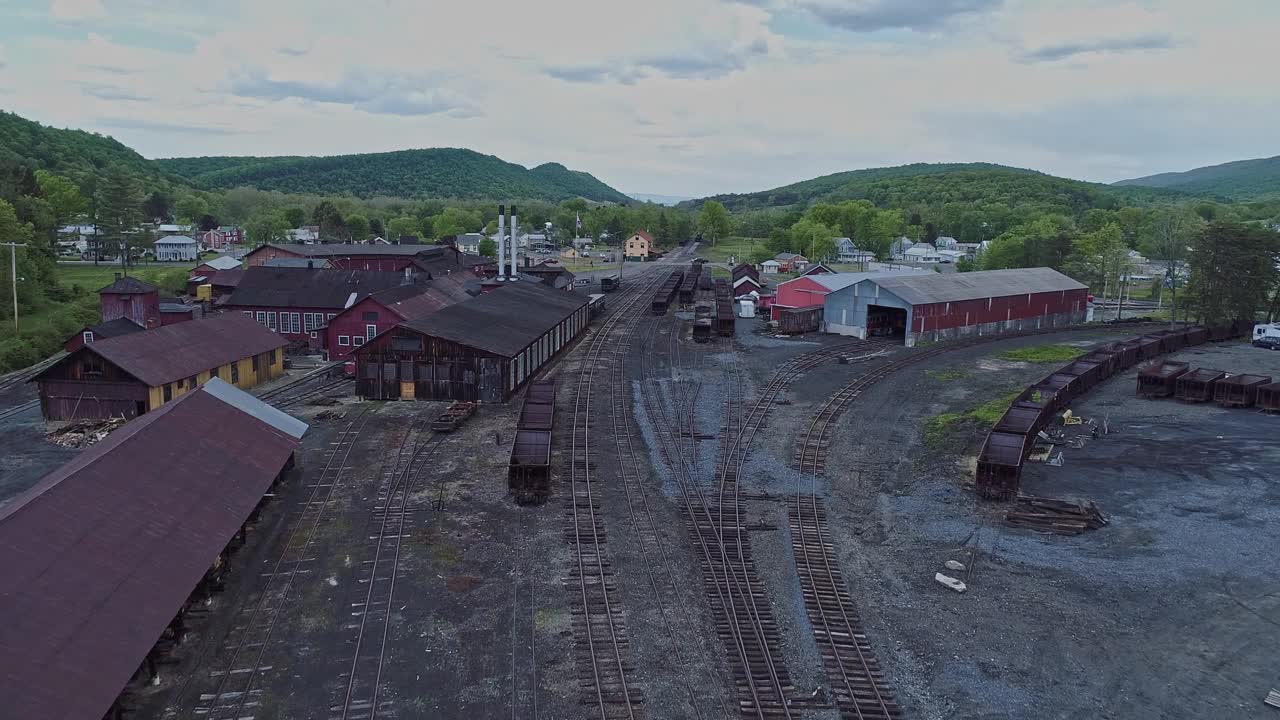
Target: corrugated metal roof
{"type": "Point", "coordinates": [440, 292]}
{"type": "Point", "coordinates": [100, 554]}
{"type": "Point", "coordinates": [926, 288]}
{"type": "Point", "coordinates": [225, 262]}
{"type": "Point", "coordinates": [175, 240]}
{"type": "Point", "coordinates": [182, 350]}
{"type": "Point", "coordinates": [309, 288]}
{"type": "Point", "coordinates": [348, 249]}
{"type": "Point", "coordinates": [502, 321]}
{"type": "Point", "coordinates": [295, 262]}
{"type": "Point", "coordinates": [114, 328]}
{"type": "Point", "coordinates": [250, 405]}
{"type": "Point", "coordinates": [129, 285]}
{"type": "Point", "coordinates": [839, 281]}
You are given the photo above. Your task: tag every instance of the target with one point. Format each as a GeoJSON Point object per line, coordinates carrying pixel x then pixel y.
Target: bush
{"type": "Point", "coordinates": [17, 353]}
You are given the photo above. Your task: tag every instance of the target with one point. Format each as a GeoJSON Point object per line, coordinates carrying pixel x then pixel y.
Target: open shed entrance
{"type": "Point", "coordinates": [886, 322]}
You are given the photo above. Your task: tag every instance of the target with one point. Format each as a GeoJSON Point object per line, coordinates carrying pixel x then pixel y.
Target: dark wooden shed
{"type": "Point", "coordinates": [480, 350]}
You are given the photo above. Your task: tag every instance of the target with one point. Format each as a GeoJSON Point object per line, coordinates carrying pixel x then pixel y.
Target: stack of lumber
{"type": "Point", "coordinates": [1052, 515]}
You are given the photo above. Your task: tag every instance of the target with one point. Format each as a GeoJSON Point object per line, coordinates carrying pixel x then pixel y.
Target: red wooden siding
{"type": "Point", "coordinates": [944, 316]}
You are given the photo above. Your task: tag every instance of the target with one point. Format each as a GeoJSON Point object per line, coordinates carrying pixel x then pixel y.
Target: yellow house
{"type": "Point", "coordinates": [130, 375]}
{"type": "Point", "coordinates": [639, 246]}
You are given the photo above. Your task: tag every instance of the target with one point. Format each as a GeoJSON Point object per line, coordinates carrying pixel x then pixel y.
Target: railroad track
{"type": "Point", "coordinates": [603, 661]}
{"type": "Point", "coordinates": [359, 700]}
{"type": "Point", "coordinates": [19, 409]}
{"type": "Point", "coordinates": [18, 377]}
{"type": "Point", "coordinates": [234, 696]}
{"type": "Point", "coordinates": [305, 387]}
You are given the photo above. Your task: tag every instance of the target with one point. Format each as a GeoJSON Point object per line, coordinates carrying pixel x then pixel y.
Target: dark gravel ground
{"type": "Point", "coordinates": [27, 455]}
{"type": "Point", "coordinates": [1170, 611]}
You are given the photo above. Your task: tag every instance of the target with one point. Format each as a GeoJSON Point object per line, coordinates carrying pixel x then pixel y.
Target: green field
{"type": "Point", "coordinates": [1043, 353]}
{"type": "Point", "coordinates": [170, 278]}
{"type": "Point", "coordinates": [739, 248]}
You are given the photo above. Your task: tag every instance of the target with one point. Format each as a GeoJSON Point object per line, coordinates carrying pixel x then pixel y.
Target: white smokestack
{"type": "Point", "coordinates": [502, 242]}
{"type": "Point", "coordinates": [514, 234]}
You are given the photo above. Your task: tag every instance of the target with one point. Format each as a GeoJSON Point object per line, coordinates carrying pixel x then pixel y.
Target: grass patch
{"type": "Point", "coordinates": [946, 375]}
{"type": "Point", "coordinates": [1043, 353]}
{"type": "Point", "coordinates": [740, 248]}
{"type": "Point", "coordinates": [169, 278]}
{"type": "Point", "coordinates": [940, 428]}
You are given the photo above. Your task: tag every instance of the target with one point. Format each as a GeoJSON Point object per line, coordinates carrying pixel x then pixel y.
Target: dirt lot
{"type": "Point", "coordinates": [1169, 611]}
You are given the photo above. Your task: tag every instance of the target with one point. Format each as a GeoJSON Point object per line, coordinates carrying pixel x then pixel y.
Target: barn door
{"type": "Point", "coordinates": [406, 380]}
{"type": "Point", "coordinates": [490, 385]}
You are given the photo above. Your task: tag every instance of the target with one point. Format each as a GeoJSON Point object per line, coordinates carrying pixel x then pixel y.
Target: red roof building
{"type": "Point", "coordinates": [102, 555]}
{"type": "Point", "coordinates": [381, 311]}
{"type": "Point", "coordinates": [131, 299]}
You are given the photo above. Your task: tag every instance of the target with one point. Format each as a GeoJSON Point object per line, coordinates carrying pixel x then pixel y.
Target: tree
{"type": "Point", "coordinates": [190, 207]}
{"type": "Point", "coordinates": [1233, 271]}
{"type": "Point", "coordinates": [295, 216]}
{"type": "Point", "coordinates": [403, 225]}
{"type": "Point", "coordinates": [63, 196]}
{"type": "Point", "coordinates": [1101, 259]}
{"type": "Point", "coordinates": [663, 232]}
{"type": "Point", "coordinates": [29, 291]}
{"type": "Point", "coordinates": [267, 226]}
{"type": "Point", "coordinates": [1169, 235]}
{"type": "Point", "coordinates": [813, 239]}
{"type": "Point", "coordinates": [930, 232]}
{"type": "Point", "coordinates": [157, 206]}
{"type": "Point", "coordinates": [713, 221]}
{"type": "Point", "coordinates": [120, 210]}
{"type": "Point", "coordinates": [760, 253]}
{"type": "Point", "coordinates": [377, 228]}
{"type": "Point", "coordinates": [488, 248]}
{"type": "Point", "coordinates": [454, 221]}
{"type": "Point", "coordinates": [358, 227]}
{"type": "Point", "coordinates": [326, 215]}
{"type": "Point", "coordinates": [207, 222]}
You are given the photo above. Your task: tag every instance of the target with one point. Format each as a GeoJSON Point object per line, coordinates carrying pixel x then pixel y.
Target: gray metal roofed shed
{"type": "Point", "coordinates": [102, 554]}
{"type": "Point", "coordinates": [280, 288]}
{"type": "Point", "coordinates": [482, 349]}
{"type": "Point", "coordinates": [926, 288]}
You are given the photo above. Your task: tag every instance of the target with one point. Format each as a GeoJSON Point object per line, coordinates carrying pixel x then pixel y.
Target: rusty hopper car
{"type": "Point", "coordinates": [702, 330]}
{"type": "Point", "coordinates": [1197, 335]}
{"type": "Point", "coordinates": [1269, 397]}
{"type": "Point", "coordinates": [1066, 386]}
{"type": "Point", "coordinates": [1022, 420]}
{"type": "Point", "coordinates": [1090, 374]}
{"type": "Point", "coordinates": [800, 320]}
{"type": "Point", "coordinates": [1000, 465]}
{"type": "Point", "coordinates": [1149, 347]}
{"type": "Point", "coordinates": [1160, 380]}
{"type": "Point", "coordinates": [689, 286]}
{"type": "Point", "coordinates": [666, 294]}
{"type": "Point", "coordinates": [1197, 385]}
{"type": "Point", "coordinates": [1105, 360]}
{"type": "Point", "coordinates": [529, 473]}
{"type": "Point", "coordinates": [542, 392]}
{"type": "Point", "coordinates": [1126, 355]}
{"type": "Point", "coordinates": [1239, 390]}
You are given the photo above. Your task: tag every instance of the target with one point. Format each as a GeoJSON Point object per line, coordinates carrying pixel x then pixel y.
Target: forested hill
{"type": "Point", "coordinates": [76, 154]}
{"type": "Point", "coordinates": [1240, 180]}
{"type": "Point", "coordinates": [933, 185]}
{"type": "Point", "coordinates": [430, 173]}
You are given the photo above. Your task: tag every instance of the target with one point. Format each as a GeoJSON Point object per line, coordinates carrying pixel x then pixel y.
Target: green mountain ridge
{"type": "Point", "coordinates": [425, 173]}
{"type": "Point", "coordinates": [1240, 180]}
{"type": "Point", "coordinates": [933, 184]}
{"type": "Point", "coordinates": [77, 154]}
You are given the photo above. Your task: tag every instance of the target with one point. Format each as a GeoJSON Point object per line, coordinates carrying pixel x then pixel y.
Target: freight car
{"type": "Point", "coordinates": [666, 294]}
{"type": "Point", "coordinates": [794, 321]}
{"type": "Point", "coordinates": [689, 286]}
{"type": "Point", "coordinates": [1239, 390]}
{"type": "Point", "coordinates": [529, 471]}
{"type": "Point", "coordinates": [609, 283]}
{"type": "Point", "coordinates": [725, 318]}
{"type": "Point", "coordinates": [1161, 379]}
{"type": "Point", "coordinates": [1197, 385]}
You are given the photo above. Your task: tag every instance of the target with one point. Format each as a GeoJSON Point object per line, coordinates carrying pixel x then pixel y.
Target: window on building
{"type": "Point", "coordinates": [249, 313]}
{"type": "Point", "coordinates": [371, 316]}
{"type": "Point", "coordinates": [313, 336]}
{"type": "Point", "coordinates": [297, 322]}
{"type": "Point", "coordinates": [370, 331]}
{"type": "Point", "coordinates": [191, 383]}
{"type": "Point", "coordinates": [257, 363]}
{"type": "Point", "coordinates": [91, 367]}
{"type": "Point", "coordinates": [235, 372]}
{"type": "Point", "coordinates": [410, 344]}
{"type": "Point", "coordinates": [274, 356]}
{"type": "Point", "coordinates": [343, 340]}
{"type": "Point", "coordinates": [262, 317]}
{"type": "Point", "coordinates": [87, 337]}
{"type": "Point", "coordinates": [357, 340]}
{"type": "Point", "coordinates": [168, 392]}
{"type": "Point", "coordinates": [271, 320]}
{"type": "Point", "coordinates": [332, 315]}
{"type": "Point", "coordinates": [309, 321]}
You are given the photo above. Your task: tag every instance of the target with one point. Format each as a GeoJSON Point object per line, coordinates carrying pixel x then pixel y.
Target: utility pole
{"type": "Point", "coordinates": [13, 277]}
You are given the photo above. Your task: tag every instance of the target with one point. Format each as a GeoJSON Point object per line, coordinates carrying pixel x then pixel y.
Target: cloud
{"type": "Point", "coordinates": [372, 92]}
{"type": "Point", "coordinates": [76, 10]}
{"type": "Point", "coordinates": [181, 128]}
{"type": "Point", "coordinates": [873, 15]}
{"type": "Point", "coordinates": [706, 64]}
{"type": "Point", "coordinates": [104, 91]}
{"type": "Point", "coordinates": [1062, 51]}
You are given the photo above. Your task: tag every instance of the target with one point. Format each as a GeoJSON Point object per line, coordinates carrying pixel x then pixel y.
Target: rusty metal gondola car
{"type": "Point", "coordinates": [453, 416]}
{"type": "Point", "coordinates": [1067, 387]}
{"type": "Point", "coordinates": [1197, 385]}
{"type": "Point", "coordinates": [1239, 390]}
{"type": "Point", "coordinates": [1090, 374]}
{"type": "Point", "coordinates": [529, 473]}
{"type": "Point", "coordinates": [1161, 379]}
{"type": "Point", "coordinates": [1126, 355]}
{"type": "Point", "coordinates": [794, 321]}
{"type": "Point", "coordinates": [1269, 397]}
{"type": "Point", "coordinates": [543, 391]}
{"type": "Point", "coordinates": [1105, 360]}
{"type": "Point", "coordinates": [702, 330]}
{"type": "Point", "coordinates": [1197, 335]}
{"type": "Point", "coordinates": [1000, 465]}
{"type": "Point", "coordinates": [1022, 419]}
{"type": "Point", "coordinates": [1149, 347]}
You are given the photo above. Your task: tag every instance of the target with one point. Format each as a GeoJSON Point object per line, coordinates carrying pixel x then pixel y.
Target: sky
{"type": "Point", "coordinates": [676, 97]}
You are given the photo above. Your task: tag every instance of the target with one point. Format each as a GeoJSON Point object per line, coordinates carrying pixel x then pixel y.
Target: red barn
{"type": "Point", "coordinates": [928, 307]}
{"type": "Point", "coordinates": [383, 310]}
{"type": "Point", "coordinates": [435, 259]}
{"type": "Point", "coordinates": [131, 299]}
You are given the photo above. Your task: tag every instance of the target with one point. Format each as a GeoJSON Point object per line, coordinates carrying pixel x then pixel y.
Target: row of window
{"type": "Point", "coordinates": [370, 331]}
{"type": "Point", "coordinates": [260, 362]}
{"type": "Point", "coordinates": [291, 322]}
{"type": "Point", "coordinates": [532, 357]}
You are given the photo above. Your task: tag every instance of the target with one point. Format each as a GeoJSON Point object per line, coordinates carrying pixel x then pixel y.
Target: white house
{"type": "Point", "coordinates": [770, 267]}
{"type": "Point", "coordinates": [470, 243]}
{"type": "Point", "coordinates": [922, 253]}
{"type": "Point", "coordinates": [944, 242]}
{"type": "Point", "coordinates": [951, 256]}
{"type": "Point", "coordinates": [177, 247]}
{"type": "Point", "coordinates": [899, 247]}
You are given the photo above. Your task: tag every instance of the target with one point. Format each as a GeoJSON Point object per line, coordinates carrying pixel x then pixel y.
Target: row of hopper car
{"type": "Point", "coordinates": [1011, 440]}
{"type": "Point", "coordinates": [709, 318]}
{"type": "Point", "coordinates": [529, 472]}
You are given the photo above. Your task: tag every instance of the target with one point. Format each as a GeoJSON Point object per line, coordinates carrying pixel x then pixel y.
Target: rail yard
{"type": "Point", "coordinates": [678, 515]}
